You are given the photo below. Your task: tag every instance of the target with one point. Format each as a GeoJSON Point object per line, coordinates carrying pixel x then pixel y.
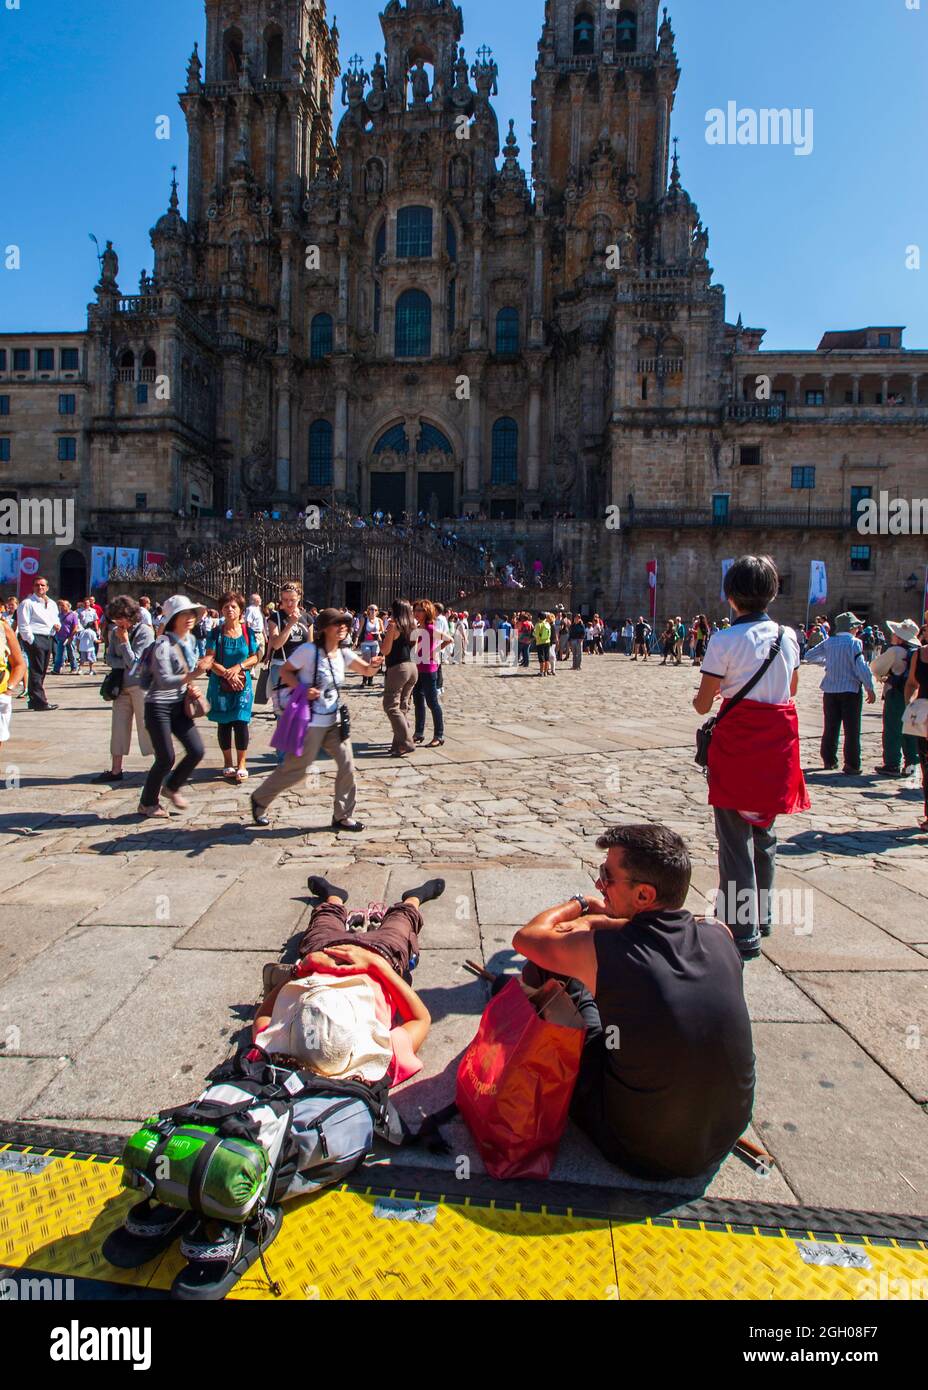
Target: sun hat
{"type": "Point", "coordinates": [180, 603]}
{"type": "Point", "coordinates": [846, 622]}
{"type": "Point", "coordinates": [908, 631]}
{"type": "Point", "coordinates": [330, 1022]}
{"type": "Point", "coordinates": [332, 617]}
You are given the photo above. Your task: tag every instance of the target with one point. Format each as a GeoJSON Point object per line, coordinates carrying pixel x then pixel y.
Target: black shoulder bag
{"type": "Point", "coordinates": [704, 735]}
{"type": "Point", "coordinates": [344, 714]}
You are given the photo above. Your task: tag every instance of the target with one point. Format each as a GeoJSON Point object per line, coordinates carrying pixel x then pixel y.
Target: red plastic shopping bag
{"type": "Point", "coordinates": [515, 1084]}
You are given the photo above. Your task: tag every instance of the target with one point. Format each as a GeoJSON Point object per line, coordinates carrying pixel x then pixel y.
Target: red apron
{"type": "Point", "coordinates": [755, 763]}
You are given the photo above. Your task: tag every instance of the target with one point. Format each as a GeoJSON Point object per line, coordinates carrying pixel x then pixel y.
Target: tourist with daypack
{"type": "Point", "coordinates": [900, 751]}
{"type": "Point", "coordinates": [295, 1112]}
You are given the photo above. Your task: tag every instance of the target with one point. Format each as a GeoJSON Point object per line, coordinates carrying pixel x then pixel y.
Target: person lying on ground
{"type": "Point", "coordinates": [666, 1084]}
{"type": "Point", "coordinates": [336, 1012]}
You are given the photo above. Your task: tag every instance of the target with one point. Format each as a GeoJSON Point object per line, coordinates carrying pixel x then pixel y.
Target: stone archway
{"type": "Point", "coordinates": [412, 466]}
{"type": "Point", "coordinates": [72, 576]}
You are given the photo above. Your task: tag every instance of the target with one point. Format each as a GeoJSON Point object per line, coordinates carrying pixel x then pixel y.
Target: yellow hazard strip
{"type": "Point", "coordinates": [363, 1246]}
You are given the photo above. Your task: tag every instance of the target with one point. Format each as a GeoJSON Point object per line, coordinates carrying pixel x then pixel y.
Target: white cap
{"type": "Point", "coordinates": [180, 603]}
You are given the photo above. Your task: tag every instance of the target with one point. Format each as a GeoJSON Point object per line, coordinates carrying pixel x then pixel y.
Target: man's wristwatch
{"type": "Point", "coordinates": [584, 905]}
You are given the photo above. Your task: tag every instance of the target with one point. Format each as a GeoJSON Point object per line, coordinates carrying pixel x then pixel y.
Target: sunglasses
{"type": "Point", "coordinates": [605, 880]}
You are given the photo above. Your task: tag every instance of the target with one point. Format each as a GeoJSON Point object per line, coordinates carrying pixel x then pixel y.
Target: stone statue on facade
{"type": "Point", "coordinates": [420, 84]}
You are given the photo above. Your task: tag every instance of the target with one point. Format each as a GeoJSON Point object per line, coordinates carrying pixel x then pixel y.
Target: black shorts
{"type": "Point", "coordinates": [544, 651]}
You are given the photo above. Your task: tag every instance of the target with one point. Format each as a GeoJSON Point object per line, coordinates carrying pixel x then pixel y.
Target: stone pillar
{"type": "Point", "coordinates": [885, 390]}
{"type": "Point", "coordinates": [340, 461]}
{"type": "Point", "coordinates": [797, 390]}
{"type": "Point", "coordinates": [855, 390]}
{"type": "Point", "coordinates": [664, 98]}
{"type": "Point", "coordinates": [577, 89]}
{"type": "Point", "coordinates": [270, 146]}
{"type": "Point", "coordinates": [545, 105]}
{"type": "Point", "coordinates": [341, 323]}
{"type": "Point", "coordinates": [915, 390]}
{"type": "Point", "coordinates": [473, 464]}
{"type": "Point", "coordinates": [633, 86]}
{"type": "Point", "coordinates": [827, 389]}
{"type": "Point", "coordinates": [194, 113]}
{"type": "Point", "coordinates": [219, 128]}
{"type": "Point", "coordinates": [476, 292]}
{"type": "Point", "coordinates": [284, 479]}
{"type": "Point", "coordinates": [232, 398]}
{"type": "Point", "coordinates": [537, 326]}
{"type": "Point", "coordinates": [286, 289]}
{"type": "Point", "coordinates": [533, 457]}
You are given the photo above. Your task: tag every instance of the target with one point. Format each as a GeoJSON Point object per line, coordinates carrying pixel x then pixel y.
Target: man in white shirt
{"type": "Point", "coordinates": [145, 612]}
{"type": "Point", "coordinates": [254, 617]}
{"type": "Point", "coordinates": [37, 621]}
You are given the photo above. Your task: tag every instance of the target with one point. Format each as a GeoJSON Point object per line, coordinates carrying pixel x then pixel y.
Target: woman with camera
{"type": "Point", "coordinates": [321, 666]}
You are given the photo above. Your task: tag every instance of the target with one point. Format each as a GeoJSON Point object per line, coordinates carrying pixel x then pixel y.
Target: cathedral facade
{"type": "Point", "coordinates": [370, 300]}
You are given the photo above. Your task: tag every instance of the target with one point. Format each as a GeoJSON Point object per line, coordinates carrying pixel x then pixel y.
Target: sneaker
{"type": "Point", "coordinates": [888, 772]}
{"type": "Point", "coordinates": [357, 921]}
{"type": "Point", "coordinates": [274, 975]}
{"type": "Point", "coordinates": [376, 912]}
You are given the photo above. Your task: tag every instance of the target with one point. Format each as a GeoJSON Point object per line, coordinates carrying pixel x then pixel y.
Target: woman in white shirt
{"type": "Point", "coordinates": [322, 666]}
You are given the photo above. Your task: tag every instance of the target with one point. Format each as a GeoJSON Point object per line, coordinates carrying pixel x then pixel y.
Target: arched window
{"type": "Point", "coordinates": [414, 232]}
{"type": "Point", "coordinates": [320, 454]}
{"type": "Point", "coordinates": [451, 240]}
{"type": "Point", "coordinates": [414, 324]}
{"type": "Point", "coordinates": [393, 442]}
{"type": "Point", "coordinates": [320, 337]}
{"type": "Point", "coordinates": [149, 366]}
{"type": "Point", "coordinates": [273, 54]}
{"type": "Point", "coordinates": [584, 33]}
{"type": "Point", "coordinates": [507, 332]}
{"type": "Point", "coordinates": [233, 48]}
{"type": "Point", "coordinates": [505, 452]}
{"type": "Point", "coordinates": [626, 31]}
{"type": "Point", "coordinates": [126, 366]}
{"type": "Point", "coordinates": [380, 244]}
{"type": "Point", "coordinates": [431, 440]}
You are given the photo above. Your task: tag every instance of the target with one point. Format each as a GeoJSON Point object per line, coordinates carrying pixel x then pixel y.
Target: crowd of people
{"type": "Point", "coordinates": [677, 1095]}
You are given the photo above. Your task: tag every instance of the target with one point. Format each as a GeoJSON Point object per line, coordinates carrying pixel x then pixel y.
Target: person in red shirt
{"type": "Point", "coordinates": [389, 1019]}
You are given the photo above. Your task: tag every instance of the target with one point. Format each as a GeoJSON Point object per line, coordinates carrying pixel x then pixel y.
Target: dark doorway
{"type": "Point", "coordinates": [503, 510]}
{"type": "Point", "coordinates": [388, 493]}
{"type": "Point", "coordinates": [354, 595]}
{"type": "Point", "coordinates": [436, 495]}
{"type": "Point", "coordinates": [72, 576]}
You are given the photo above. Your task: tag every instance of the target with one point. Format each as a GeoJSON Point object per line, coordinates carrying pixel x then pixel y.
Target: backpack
{"type": "Point", "coordinates": [260, 1134]}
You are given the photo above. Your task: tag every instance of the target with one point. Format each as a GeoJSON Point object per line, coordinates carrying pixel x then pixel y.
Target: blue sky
{"type": "Point", "coordinates": [801, 244]}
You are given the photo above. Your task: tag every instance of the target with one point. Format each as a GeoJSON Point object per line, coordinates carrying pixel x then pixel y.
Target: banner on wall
{"type": "Point", "coordinates": [102, 558]}
{"type": "Point", "coordinates": [726, 566]}
{"type": "Point", "coordinates": [10, 557]}
{"type": "Point", "coordinates": [818, 583]}
{"type": "Point", "coordinates": [28, 569]}
{"type": "Point", "coordinates": [154, 560]}
{"type": "Point", "coordinates": [126, 559]}
{"type": "Point", "coordinates": [652, 585]}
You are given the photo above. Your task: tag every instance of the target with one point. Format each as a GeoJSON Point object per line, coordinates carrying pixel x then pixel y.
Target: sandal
{"type": "Point", "coordinates": [241, 775]}
{"type": "Point", "coordinates": [148, 1230]}
{"type": "Point", "coordinates": [376, 912]}
{"type": "Point", "coordinates": [352, 825]}
{"type": "Point", "coordinates": [177, 800]}
{"type": "Point", "coordinates": [437, 743]}
{"type": "Point", "coordinates": [356, 922]}
{"type": "Point", "coordinates": [216, 1265]}
{"type": "Point", "coordinates": [153, 812]}
{"type": "Point", "coordinates": [228, 774]}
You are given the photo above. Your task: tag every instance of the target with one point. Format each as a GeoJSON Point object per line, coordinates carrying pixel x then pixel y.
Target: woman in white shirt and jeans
{"type": "Point", "coordinates": [322, 665]}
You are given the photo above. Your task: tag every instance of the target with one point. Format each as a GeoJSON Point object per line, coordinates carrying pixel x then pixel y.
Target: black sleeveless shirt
{"type": "Point", "coordinates": [678, 1075]}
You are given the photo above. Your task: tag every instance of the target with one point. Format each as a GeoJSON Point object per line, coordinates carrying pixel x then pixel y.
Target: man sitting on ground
{"type": "Point", "coordinates": [334, 1013]}
{"type": "Point", "coordinates": [666, 1083]}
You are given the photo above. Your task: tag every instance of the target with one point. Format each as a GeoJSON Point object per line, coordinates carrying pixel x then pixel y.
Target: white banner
{"type": "Point", "coordinates": [126, 559]}
{"type": "Point", "coordinates": [10, 557]}
{"type": "Point", "coordinates": [101, 562]}
{"type": "Point", "coordinates": [726, 566]}
{"type": "Point", "coordinates": [818, 583]}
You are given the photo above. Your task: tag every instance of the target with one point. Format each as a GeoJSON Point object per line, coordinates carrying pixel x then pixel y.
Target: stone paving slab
{"type": "Point", "coordinates": [172, 897]}
{"type": "Point", "coordinates": [773, 997]}
{"type": "Point", "coordinates": [155, 1048]}
{"type": "Point", "coordinates": [843, 1132]}
{"type": "Point", "coordinates": [61, 998]}
{"type": "Point", "coordinates": [503, 899]}
{"type": "Point", "coordinates": [25, 932]}
{"type": "Point", "coordinates": [888, 1015]}
{"type": "Point", "coordinates": [451, 921]}
{"type": "Point", "coordinates": [887, 903]}
{"type": "Point", "coordinates": [260, 911]}
{"type": "Point", "coordinates": [839, 940]}
{"type": "Point", "coordinates": [72, 887]}
{"type": "Point", "coordinates": [22, 1079]}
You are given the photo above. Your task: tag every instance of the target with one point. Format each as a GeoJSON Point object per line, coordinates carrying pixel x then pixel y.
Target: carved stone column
{"type": "Point", "coordinates": [665, 88]}
{"type": "Point", "coordinates": [633, 87]}
{"type": "Point", "coordinates": [577, 90]}
{"type": "Point", "coordinates": [473, 366]}
{"type": "Point", "coordinates": [342, 368]}
{"type": "Point", "coordinates": [219, 129]}
{"type": "Point", "coordinates": [284, 475]}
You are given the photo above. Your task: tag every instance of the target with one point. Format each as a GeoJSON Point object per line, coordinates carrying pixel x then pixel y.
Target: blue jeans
{"type": "Point", "coordinates": [60, 648]}
{"type": "Point", "coordinates": [426, 693]}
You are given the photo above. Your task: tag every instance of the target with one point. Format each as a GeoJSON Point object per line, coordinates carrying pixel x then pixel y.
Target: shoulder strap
{"type": "Point", "coordinates": [758, 676]}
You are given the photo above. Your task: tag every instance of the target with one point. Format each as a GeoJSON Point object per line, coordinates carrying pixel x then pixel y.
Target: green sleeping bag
{"type": "Point", "coordinates": [196, 1169]}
